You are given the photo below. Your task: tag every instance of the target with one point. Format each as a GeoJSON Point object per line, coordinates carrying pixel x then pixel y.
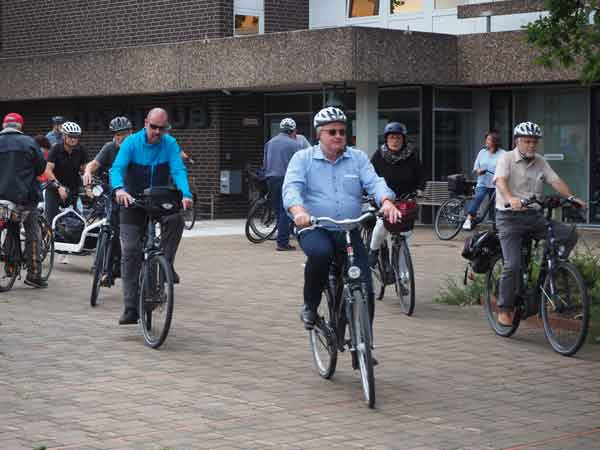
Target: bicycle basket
{"type": "Point", "coordinates": [458, 185]}
{"type": "Point", "coordinates": [409, 210]}
{"type": "Point", "coordinates": [69, 228]}
{"type": "Point", "coordinates": [481, 249]}
{"type": "Point", "coordinates": [162, 201]}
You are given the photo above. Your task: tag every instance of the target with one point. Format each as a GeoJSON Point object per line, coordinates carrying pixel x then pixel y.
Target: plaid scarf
{"type": "Point", "coordinates": [395, 157]}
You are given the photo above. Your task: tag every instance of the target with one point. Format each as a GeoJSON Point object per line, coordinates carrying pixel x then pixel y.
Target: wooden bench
{"type": "Point", "coordinates": [435, 193]}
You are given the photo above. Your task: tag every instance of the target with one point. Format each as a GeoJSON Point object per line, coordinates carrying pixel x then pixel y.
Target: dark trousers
{"type": "Point", "coordinates": [53, 202]}
{"type": "Point", "coordinates": [321, 246]}
{"type": "Point", "coordinates": [513, 227]}
{"type": "Point", "coordinates": [283, 220]}
{"type": "Point", "coordinates": [132, 231]}
{"type": "Point", "coordinates": [33, 236]}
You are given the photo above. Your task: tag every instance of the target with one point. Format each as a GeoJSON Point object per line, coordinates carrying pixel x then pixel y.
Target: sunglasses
{"type": "Point", "coordinates": [159, 128]}
{"type": "Point", "coordinates": [333, 131]}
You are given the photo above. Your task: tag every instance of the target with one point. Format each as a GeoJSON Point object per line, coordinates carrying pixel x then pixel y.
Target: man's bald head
{"type": "Point", "coordinates": [157, 123]}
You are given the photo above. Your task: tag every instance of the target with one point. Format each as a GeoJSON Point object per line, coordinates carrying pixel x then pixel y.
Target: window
{"type": "Point", "coordinates": [405, 6]}
{"type": "Point", "coordinates": [363, 8]}
{"type": "Point", "coordinates": [445, 4]}
{"type": "Point", "coordinates": [245, 25]}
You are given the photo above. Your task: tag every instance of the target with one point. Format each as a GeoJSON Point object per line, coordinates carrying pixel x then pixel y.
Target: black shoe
{"type": "Point", "coordinates": [35, 282]}
{"type": "Point", "coordinates": [309, 317]}
{"type": "Point", "coordinates": [285, 248]}
{"type": "Point", "coordinates": [129, 318]}
{"type": "Point", "coordinates": [375, 362]}
{"type": "Point", "coordinates": [373, 258]}
{"type": "Point", "coordinates": [175, 278]}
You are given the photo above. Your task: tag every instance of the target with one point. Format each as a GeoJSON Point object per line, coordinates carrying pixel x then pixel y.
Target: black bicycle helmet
{"type": "Point", "coordinates": [58, 120]}
{"type": "Point", "coordinates": [394, 128]}
{"type": "Point", "coordinates": [120, 123]}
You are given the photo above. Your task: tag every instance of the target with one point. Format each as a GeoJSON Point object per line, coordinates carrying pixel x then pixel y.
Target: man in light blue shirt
{"type": "Point", "coordinates": [328, 179]}
{"type": "Point", "coordinates": [55, 135]}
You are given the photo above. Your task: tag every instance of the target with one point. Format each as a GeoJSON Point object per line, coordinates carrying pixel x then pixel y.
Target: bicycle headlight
{"type": "Point", "coordinates": [97, 190]}
{"type": "Point", "coordinates": [354, 272]}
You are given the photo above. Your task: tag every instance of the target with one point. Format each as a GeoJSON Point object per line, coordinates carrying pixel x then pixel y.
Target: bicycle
{"type": "Point", "coordinates": [346, 304]}
{"type": "Point", "coordinates": [261, 222]}
{"type": "Point", "coordinates": [453, 212]}
{"type": "Point", "coordinates": [396, 267]}
{"type": "Point", "coordinates": [104, 261]}
{"type": "Point", "coordinates": [189, 215]}
{"type": "Point", "coordinates": [558, 295]}
{"type": "Point", "coordinates": [12, 242]}
{"type": "Point", "coordinates": [156, 290]}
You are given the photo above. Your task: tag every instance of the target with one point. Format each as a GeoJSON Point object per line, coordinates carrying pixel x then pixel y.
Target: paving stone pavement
{"type": "Point", "coordinates": [236, 373]}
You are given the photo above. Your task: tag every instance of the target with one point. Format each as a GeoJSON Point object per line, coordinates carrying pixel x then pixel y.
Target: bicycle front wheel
{"type": "Point", "coordinates": [99, 263]}
{"type": "Point", "coordinates": [156, 300]}
{"type": "Point", "coordinates": [404, 278]}
{"type": "Point", "coordinates": [262, 221]}
{"type": "Point", "coordinates": [361, 330]}
{"type": "Point", "coordinates": [322, 338]}
{"type": "Point", "coordinates": [377, 272]}
{"type": "Point", "coordinates": [565, 309]}
{"type": "Point", "coordinates": [189, 216]}
{"type": "Point", "coordinates": [47, 248]}
{"type": "Point", "coordinates": [450, 218]}
{"type": "Point", "coordinates": [492, 294]}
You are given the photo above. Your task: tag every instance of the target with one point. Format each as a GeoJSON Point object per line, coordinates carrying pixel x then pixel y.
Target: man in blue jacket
{"type": "Point", "coordinates": [149, 157]}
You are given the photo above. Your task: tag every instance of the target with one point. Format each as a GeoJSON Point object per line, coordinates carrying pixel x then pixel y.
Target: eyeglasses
{"type": "Point", "coordinates": [159, 128]}
{"type": "Point", "coordinates": [333, 131]}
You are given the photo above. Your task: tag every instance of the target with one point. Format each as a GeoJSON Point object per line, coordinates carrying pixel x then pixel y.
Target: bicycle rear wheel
{"type": "Point", "coordinates": [361, 330]}
{"type": "Point", "coordinates": [377, 272]}
{"type": "Point", "coordinates": [322, 338]}
{"type": "Point", "coordinates": [404, 278]}
{"type": "Point", "coordinates": [450, 218]}
{"type": "Point", "coordinates": [492, 292]}
{"type": "Point", "coordinates": [156, 300]}
{"type": "Point", "coordinates": [189, 215]}
{"type": "Point", "coordinates": [565, 309]}
{"type": "Point", "coordinates": [262, 221]}
{"type": "Point", "coordinates": [47, 248]}
{"type": "Point", "coordinates": [9, 270]}
{"type": "Point", "coordinates": [99, 263]}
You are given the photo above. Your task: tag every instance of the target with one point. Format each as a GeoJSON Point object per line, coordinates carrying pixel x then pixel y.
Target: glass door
{"type": "Point", "coordinates": [595, 157]}
{"type": "Point", "coordinates": [501, 116]}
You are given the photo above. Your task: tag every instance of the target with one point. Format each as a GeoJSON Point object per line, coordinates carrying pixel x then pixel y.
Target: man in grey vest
{"type": "Point", "coordinates": [278, 152]}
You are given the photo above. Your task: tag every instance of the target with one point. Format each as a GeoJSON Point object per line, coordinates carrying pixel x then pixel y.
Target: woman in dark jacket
{"type": "Point", "coordinates": [398, 163]}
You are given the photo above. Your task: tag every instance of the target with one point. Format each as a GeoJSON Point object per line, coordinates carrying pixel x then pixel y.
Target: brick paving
{"type": "Point", "coordinates": [236, 373]}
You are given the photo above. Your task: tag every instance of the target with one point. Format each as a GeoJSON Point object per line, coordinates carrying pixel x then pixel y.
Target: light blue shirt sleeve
{"type": "Point", "coordinates": [294, 183]}
{"type": "Point", "coordinates": [371, 182]}
{"type": "Point", "coordinates": [477, 163]}
{"type": "Point", "coordinates": [121, 163]}
{"type": "Point", "coordinates": [177, 169]}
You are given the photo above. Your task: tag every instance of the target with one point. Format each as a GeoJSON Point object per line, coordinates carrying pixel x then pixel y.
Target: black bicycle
{"type": "Point", "coordinates": [13, 241]}
{"type": "Point", "coordinates": [156, 291]}
{"type": "Point", "coordinates": [105, 263]}
{"type": "Point", "coordinates": [347, 304]}
{"type": "Point", "coordinates": [261, 222]}
{"type": "Point", "coordinates": [189, 214]}
{"type": "Point", "coordinates": [453, 212]}
{"type": "Point", "coordinates": [549, 286]}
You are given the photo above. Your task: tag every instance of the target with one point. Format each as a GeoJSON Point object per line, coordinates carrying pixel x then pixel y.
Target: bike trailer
{"type": "Point", "coordinates": [481, 249]}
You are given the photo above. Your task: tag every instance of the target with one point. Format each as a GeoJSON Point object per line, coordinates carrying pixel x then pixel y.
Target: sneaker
{"type": "Point", "coordinates": [468, 225]}
{"type": "Point", "coordinates": [285, 248]}
{"type": "Point", "coordinates": [175, 278]}
{"type": "Point", "coordinates": [373, 258]}
{"type": "Point", "coordinates": [35, 282]}
{"type": "Point", "coordinates": [129, 317]}
{"type": "Point", "coordinates": [309, 317]}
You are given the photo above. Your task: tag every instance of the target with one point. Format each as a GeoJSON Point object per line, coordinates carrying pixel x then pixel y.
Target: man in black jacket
{"type": "Point", "coordinates": [21, 161]}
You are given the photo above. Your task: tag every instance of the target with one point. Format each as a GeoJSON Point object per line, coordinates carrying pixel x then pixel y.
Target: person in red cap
{"type": "Point", "coordinates": [21, 161]}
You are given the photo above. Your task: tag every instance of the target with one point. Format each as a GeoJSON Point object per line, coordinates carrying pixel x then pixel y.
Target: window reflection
{"type": "Point", "coordinates": [246, 25]}
{"type": "Point", "coordinates": [363, 8]}
{"type": "Point", "coordinates": [445, 4]}
{"type": "Point", "coordinates": [405, 6]}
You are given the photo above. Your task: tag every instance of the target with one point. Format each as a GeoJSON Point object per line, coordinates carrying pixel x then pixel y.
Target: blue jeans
{"type": "Point", "coordinates": [481, 192]}
{"type": "Point", "coordinates": [283, 220]}
{"type": "Point", "coordinates": [321, 246]}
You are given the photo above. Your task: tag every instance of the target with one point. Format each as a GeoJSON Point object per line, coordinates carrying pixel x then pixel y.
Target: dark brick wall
{"type": "Point", "coordinates": [224, 144]}
{"type": "Point", "coordinates": [286, 15]}
{"type": "Point", "coordinates": [35, 27]}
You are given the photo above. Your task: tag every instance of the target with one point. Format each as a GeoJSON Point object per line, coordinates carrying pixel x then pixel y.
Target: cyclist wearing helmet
{"type": "Point", "coordinates": [278, 152]}
{"type": "Point", "coordinates": [65, 162]}
{"type": "Point", "coordinates": [328, 179]}
{"type": "Point", "coordinates": [121, 127]}
{"type": "Point", "coordinates": [399, 165]}
{"type": "Point", "coordinates": [521, 174]}
{"type": "Point", "coordinates": [55, 135]}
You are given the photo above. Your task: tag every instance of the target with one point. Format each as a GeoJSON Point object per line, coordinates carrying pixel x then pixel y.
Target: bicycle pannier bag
{"type": "Point", "coordinates": [481, 249]}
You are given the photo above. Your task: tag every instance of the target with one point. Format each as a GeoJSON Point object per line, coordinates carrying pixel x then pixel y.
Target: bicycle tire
{"type": "Point", "coordinates": [377, 273]}
{"type": "Point", "coordinates": [404, 277]}
{"type": "Point", "coordinates": [453, 210]}
{"type": "Point", "coordinates": [322, 339]}
{"type": "Point", "coordinates": [260, 212]}
{"type": "Point", "coordinates": [361, 330]}
{"type": "Point", "coordinates": [189, 216]}
{"type": "Point", "coordinates": [551, 309]}
{"type": "Point", "coordinates": [156, 271]}
{"type": "Point", "coordinates": [9, 271]}
{"type": "Point", "coordinates": [99, 264]}
{"type": "Point", "coordinates": [492, 289]}
{"type": "Point", "coordinates": [47, 248]}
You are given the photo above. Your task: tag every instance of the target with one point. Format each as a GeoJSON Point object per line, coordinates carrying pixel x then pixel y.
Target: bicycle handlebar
{"type": "Point", "coordinates": [549, 202]}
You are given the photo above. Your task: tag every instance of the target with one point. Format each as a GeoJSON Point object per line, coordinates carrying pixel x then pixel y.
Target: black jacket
{"type": "Point", "coordinates": [404, 176]}
{"type": "Point", "coordinates": [21, 161]}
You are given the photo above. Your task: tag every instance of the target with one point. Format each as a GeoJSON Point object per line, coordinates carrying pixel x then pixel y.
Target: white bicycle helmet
{"type": "Point", "coordinates": [330, 114]}
{"type": "Point", "coordinates": [71, 129]}
{"type": "Point", "coordinates": [287, 124]}
{"type": "Point", "coordinates": [528, 129]}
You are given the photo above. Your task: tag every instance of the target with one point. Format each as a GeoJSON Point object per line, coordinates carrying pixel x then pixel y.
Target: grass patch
{"type": "Point", "coordinates": [457, 293]}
